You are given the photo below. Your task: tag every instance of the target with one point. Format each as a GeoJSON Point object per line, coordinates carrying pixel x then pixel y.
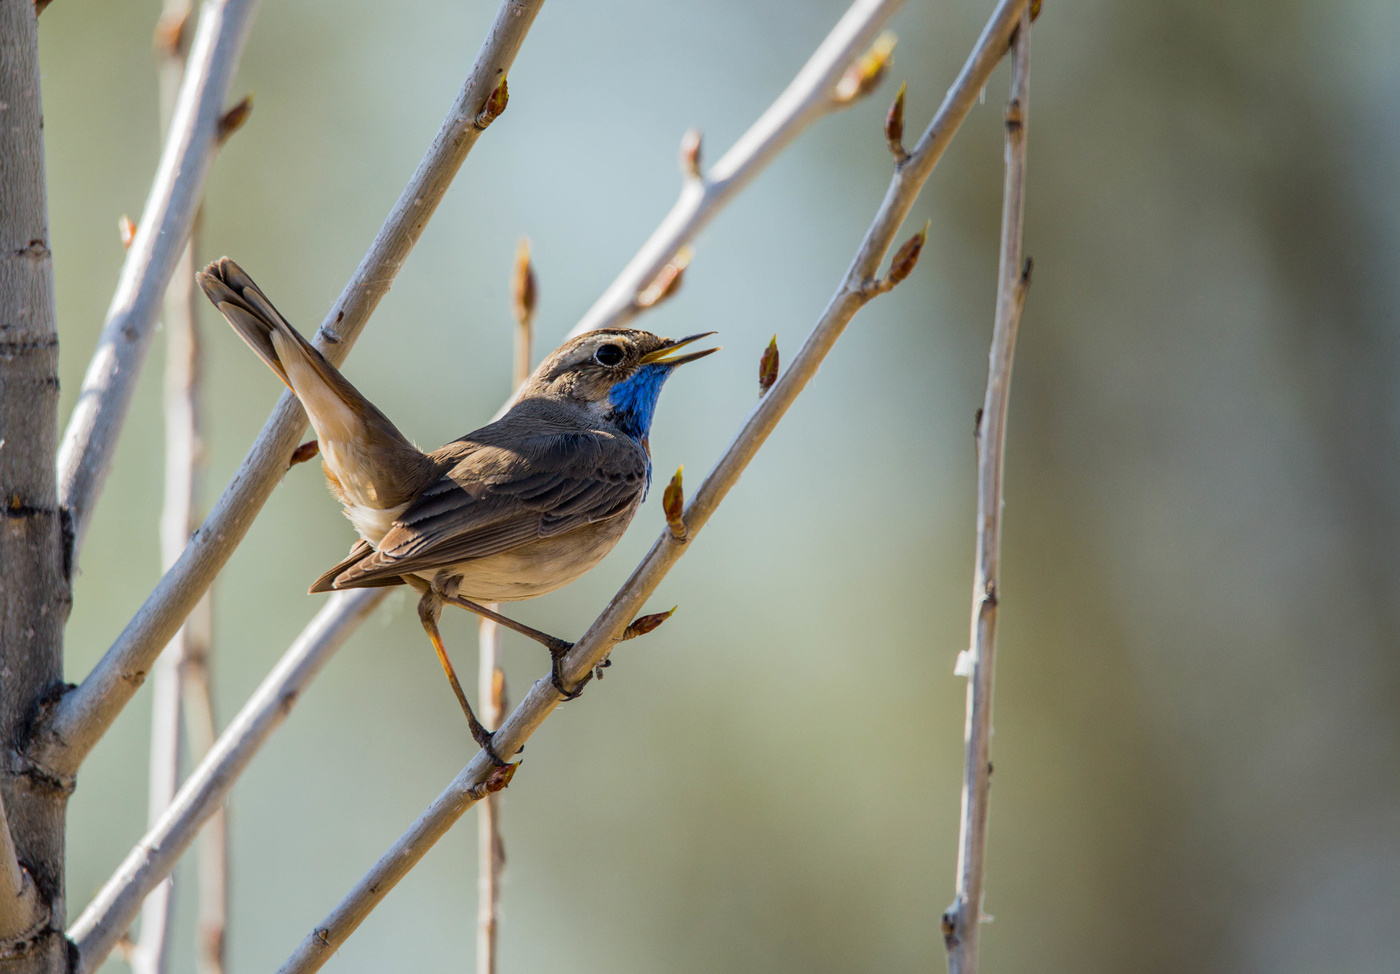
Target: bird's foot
{"type": "Point", "coordinates": [486, 740]}
{"type": "Point", "coordinates": [556, 672]}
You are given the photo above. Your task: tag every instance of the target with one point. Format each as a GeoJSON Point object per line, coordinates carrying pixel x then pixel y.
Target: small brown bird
{"type": "Point", "coordinates": [514, 510]}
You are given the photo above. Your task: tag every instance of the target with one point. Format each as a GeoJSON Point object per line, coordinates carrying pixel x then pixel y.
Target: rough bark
{"type": "Point", "coordinates": [34, 596]}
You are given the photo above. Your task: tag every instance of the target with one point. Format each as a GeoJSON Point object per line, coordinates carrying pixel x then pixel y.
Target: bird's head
{"type": "Point", "coordinates": [615, 372]}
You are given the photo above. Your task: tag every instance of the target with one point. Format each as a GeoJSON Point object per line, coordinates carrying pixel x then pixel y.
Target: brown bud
{"type": "Point", "coordinates": [172, 33]}
{"type": "Point", "coordinates": [894, 125]}
{"type": "Point", "coordinates": [673, 503]}
{"type": "Point", "coordinates": [127, 229]}
{"type": "Point", "coordinates": [906, 257]}
{"type": "Point", "coordinates": [232, 120]}
{"type": "Point", "coordinates": [495, 104]}
{"type": "Point", "coordinates": [667, 282]}
{"type": "Point", "coordinates": [495, 781]}
{"type": "Point", "coordinates": [861, 77]}
{"type": "Point", "coordinates": [644, 624]}
{"type": "Point", "coordinates": [690, 154]}
{"type": "Point", "coordinates": [522, 284]}
{"type": "Point", "coordinates": [305, 452]}
{"type": "Point", "coordinates": [768, 368]}
{"type": "Point", "coordinates": [1035, 10]}
{"type": "Point", "coordinates": [40, 6]}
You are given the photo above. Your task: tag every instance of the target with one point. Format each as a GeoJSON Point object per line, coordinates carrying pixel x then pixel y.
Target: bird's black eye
{"type": "Point", "coordinates": [609, 354]}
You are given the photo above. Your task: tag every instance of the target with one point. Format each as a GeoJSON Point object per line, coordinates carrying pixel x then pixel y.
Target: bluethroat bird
{"type": "Point", "coordinates": [514, 510]}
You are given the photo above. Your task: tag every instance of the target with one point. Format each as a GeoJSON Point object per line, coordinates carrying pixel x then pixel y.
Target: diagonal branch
{"type": "Point", "coordinates": [85, 455]}
{"type": "Point", "coordinates": [962, 921]}
{"type": "Point", "coordinates": [480, 777]}
{"type": "Point", "coordinates": [79, 720]}
{"type": "Point", "coordinates": [101, 925]}
{"type": "Point", "coordinates": [811, 95]}
{"type": "Point", "coordinates": [208, 784]}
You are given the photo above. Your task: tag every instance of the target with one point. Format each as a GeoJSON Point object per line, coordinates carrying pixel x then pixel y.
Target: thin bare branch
{"type": "Point", "coordinates": [85, 454]}
{"type": "Point", "coordinates": [208, 553]}
{"type": "Point", "coordinates": [101, 925]}
{"type": "Point", "coordinates": [82, 716]}
{"type": "Point", "coordinates": [962, 921]}
{"type": "Point", "coordinates": [811, 95]}
{"type": "Point", "coordinates": [857, 289]}
{"type": "Point", "coordinates": [183, 462]}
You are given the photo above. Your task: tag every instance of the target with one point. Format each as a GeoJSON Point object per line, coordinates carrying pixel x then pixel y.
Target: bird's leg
{"type": "Point", "coordinates": [428, 607]}
{"type": "Point", "coordinates": [557, 647]}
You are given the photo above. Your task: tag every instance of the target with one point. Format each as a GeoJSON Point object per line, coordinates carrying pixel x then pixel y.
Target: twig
{"type": "Point", "coordinates": [491, 682]}
{"type": "Point", "coordinates": [858, 288]}
{"type": "Point", "coordinates": [962, 921]}
{"type": "Point", "coordinates": [208, 552]}
{"type": "Point", "coordinates": [85, 454]}
{"type": "Point", "coordinates": [101, 925]}
{"type": "Point", "coordinates": [79, 720]}
{"type": "Point", "coordinates": [811, 95]}
{"type": "Point", "coordinates": [151, 954]}
{"type": "Point", "coordinates": [201, 731]}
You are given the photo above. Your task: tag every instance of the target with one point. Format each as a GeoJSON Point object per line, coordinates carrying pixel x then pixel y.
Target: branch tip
{"type": "Point", "coordinates": [673, 503]}
{"type": "Point", "coordinates": [862, 77]}
{"type": "Point", "coordinates": [768, 368]}
{"type": "Point", "coordinates": [127, 229]}
{"type": "Point", "coordinates": [523, 286]}
{"type": "Point", "coordinates": [894, 125]}
{"type": "Point", "coordinates": [232, 120]}
{"type": "Point", "coordinates": [642, 625]}
{"type": "Point", "coordinates": [690, 154]}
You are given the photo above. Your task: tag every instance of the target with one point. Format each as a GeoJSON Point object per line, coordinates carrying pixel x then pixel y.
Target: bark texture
{"type": "Point", "coordinates": [34, 597]}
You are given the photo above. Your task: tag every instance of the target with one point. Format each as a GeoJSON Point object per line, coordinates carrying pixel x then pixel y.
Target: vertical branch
{"type": "Point", "coordinates": [962, 920]}
{"type": "Point", "coordinates": [491, 848]}
{"type": "Point", "coordinates": [34, 597]}
{"type": "Point", "coordinates": [184, 663]}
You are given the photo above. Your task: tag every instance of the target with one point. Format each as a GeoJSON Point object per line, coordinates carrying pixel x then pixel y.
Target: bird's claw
{"type": "Point", "coordinates": [556, 674]}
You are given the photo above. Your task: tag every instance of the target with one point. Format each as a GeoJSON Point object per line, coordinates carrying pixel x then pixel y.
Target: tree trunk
{"type": "Point", "coordinates": [34, 596]}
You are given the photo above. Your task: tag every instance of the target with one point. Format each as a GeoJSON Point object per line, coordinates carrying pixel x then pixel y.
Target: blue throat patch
{"type": "Point", "coordinates": [634, 403]}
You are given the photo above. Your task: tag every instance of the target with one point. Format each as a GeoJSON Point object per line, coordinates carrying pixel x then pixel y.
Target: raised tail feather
{"type": "Point", "coordinates": [371, 465]}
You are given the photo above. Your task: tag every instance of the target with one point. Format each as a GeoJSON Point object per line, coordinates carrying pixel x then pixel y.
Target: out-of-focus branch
{"type": "Point", "coordinates": [117, 903]}
{"type": "Point", "coordinates": [491, 679]}
{"type": "Point", "coordinates": [481, 776]}
{"type": "Point", "coordinates": [85, 454]}
{"type": "Point", "coordinates": [83, 715]}
{"type": "Point", "coordinates": [183, 462]}
{"type": "Point", "coordinates": [962, 920]}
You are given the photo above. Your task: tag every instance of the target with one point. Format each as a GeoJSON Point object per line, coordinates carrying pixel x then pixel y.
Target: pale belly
{"type": "Point", "coordinates": [535, 568]}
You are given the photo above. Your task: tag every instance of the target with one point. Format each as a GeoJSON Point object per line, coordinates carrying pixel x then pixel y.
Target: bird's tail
{"type": "Point", "coordinates": [367, 458]}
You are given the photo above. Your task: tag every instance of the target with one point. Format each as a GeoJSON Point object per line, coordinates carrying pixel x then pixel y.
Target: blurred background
{"type": "Point", "coordinates": [1198, 710]}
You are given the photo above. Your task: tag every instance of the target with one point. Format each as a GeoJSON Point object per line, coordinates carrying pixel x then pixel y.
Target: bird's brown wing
{"type": "Point", "coordinates": [495, 498]}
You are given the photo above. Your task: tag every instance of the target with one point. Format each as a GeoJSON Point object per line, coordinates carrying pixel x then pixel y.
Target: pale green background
{"type": "Point", "coordinates": [1197, 756]}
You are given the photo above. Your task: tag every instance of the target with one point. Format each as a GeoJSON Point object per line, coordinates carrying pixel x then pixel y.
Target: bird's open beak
{"type": "Point", "coordinates": [659, 356]}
